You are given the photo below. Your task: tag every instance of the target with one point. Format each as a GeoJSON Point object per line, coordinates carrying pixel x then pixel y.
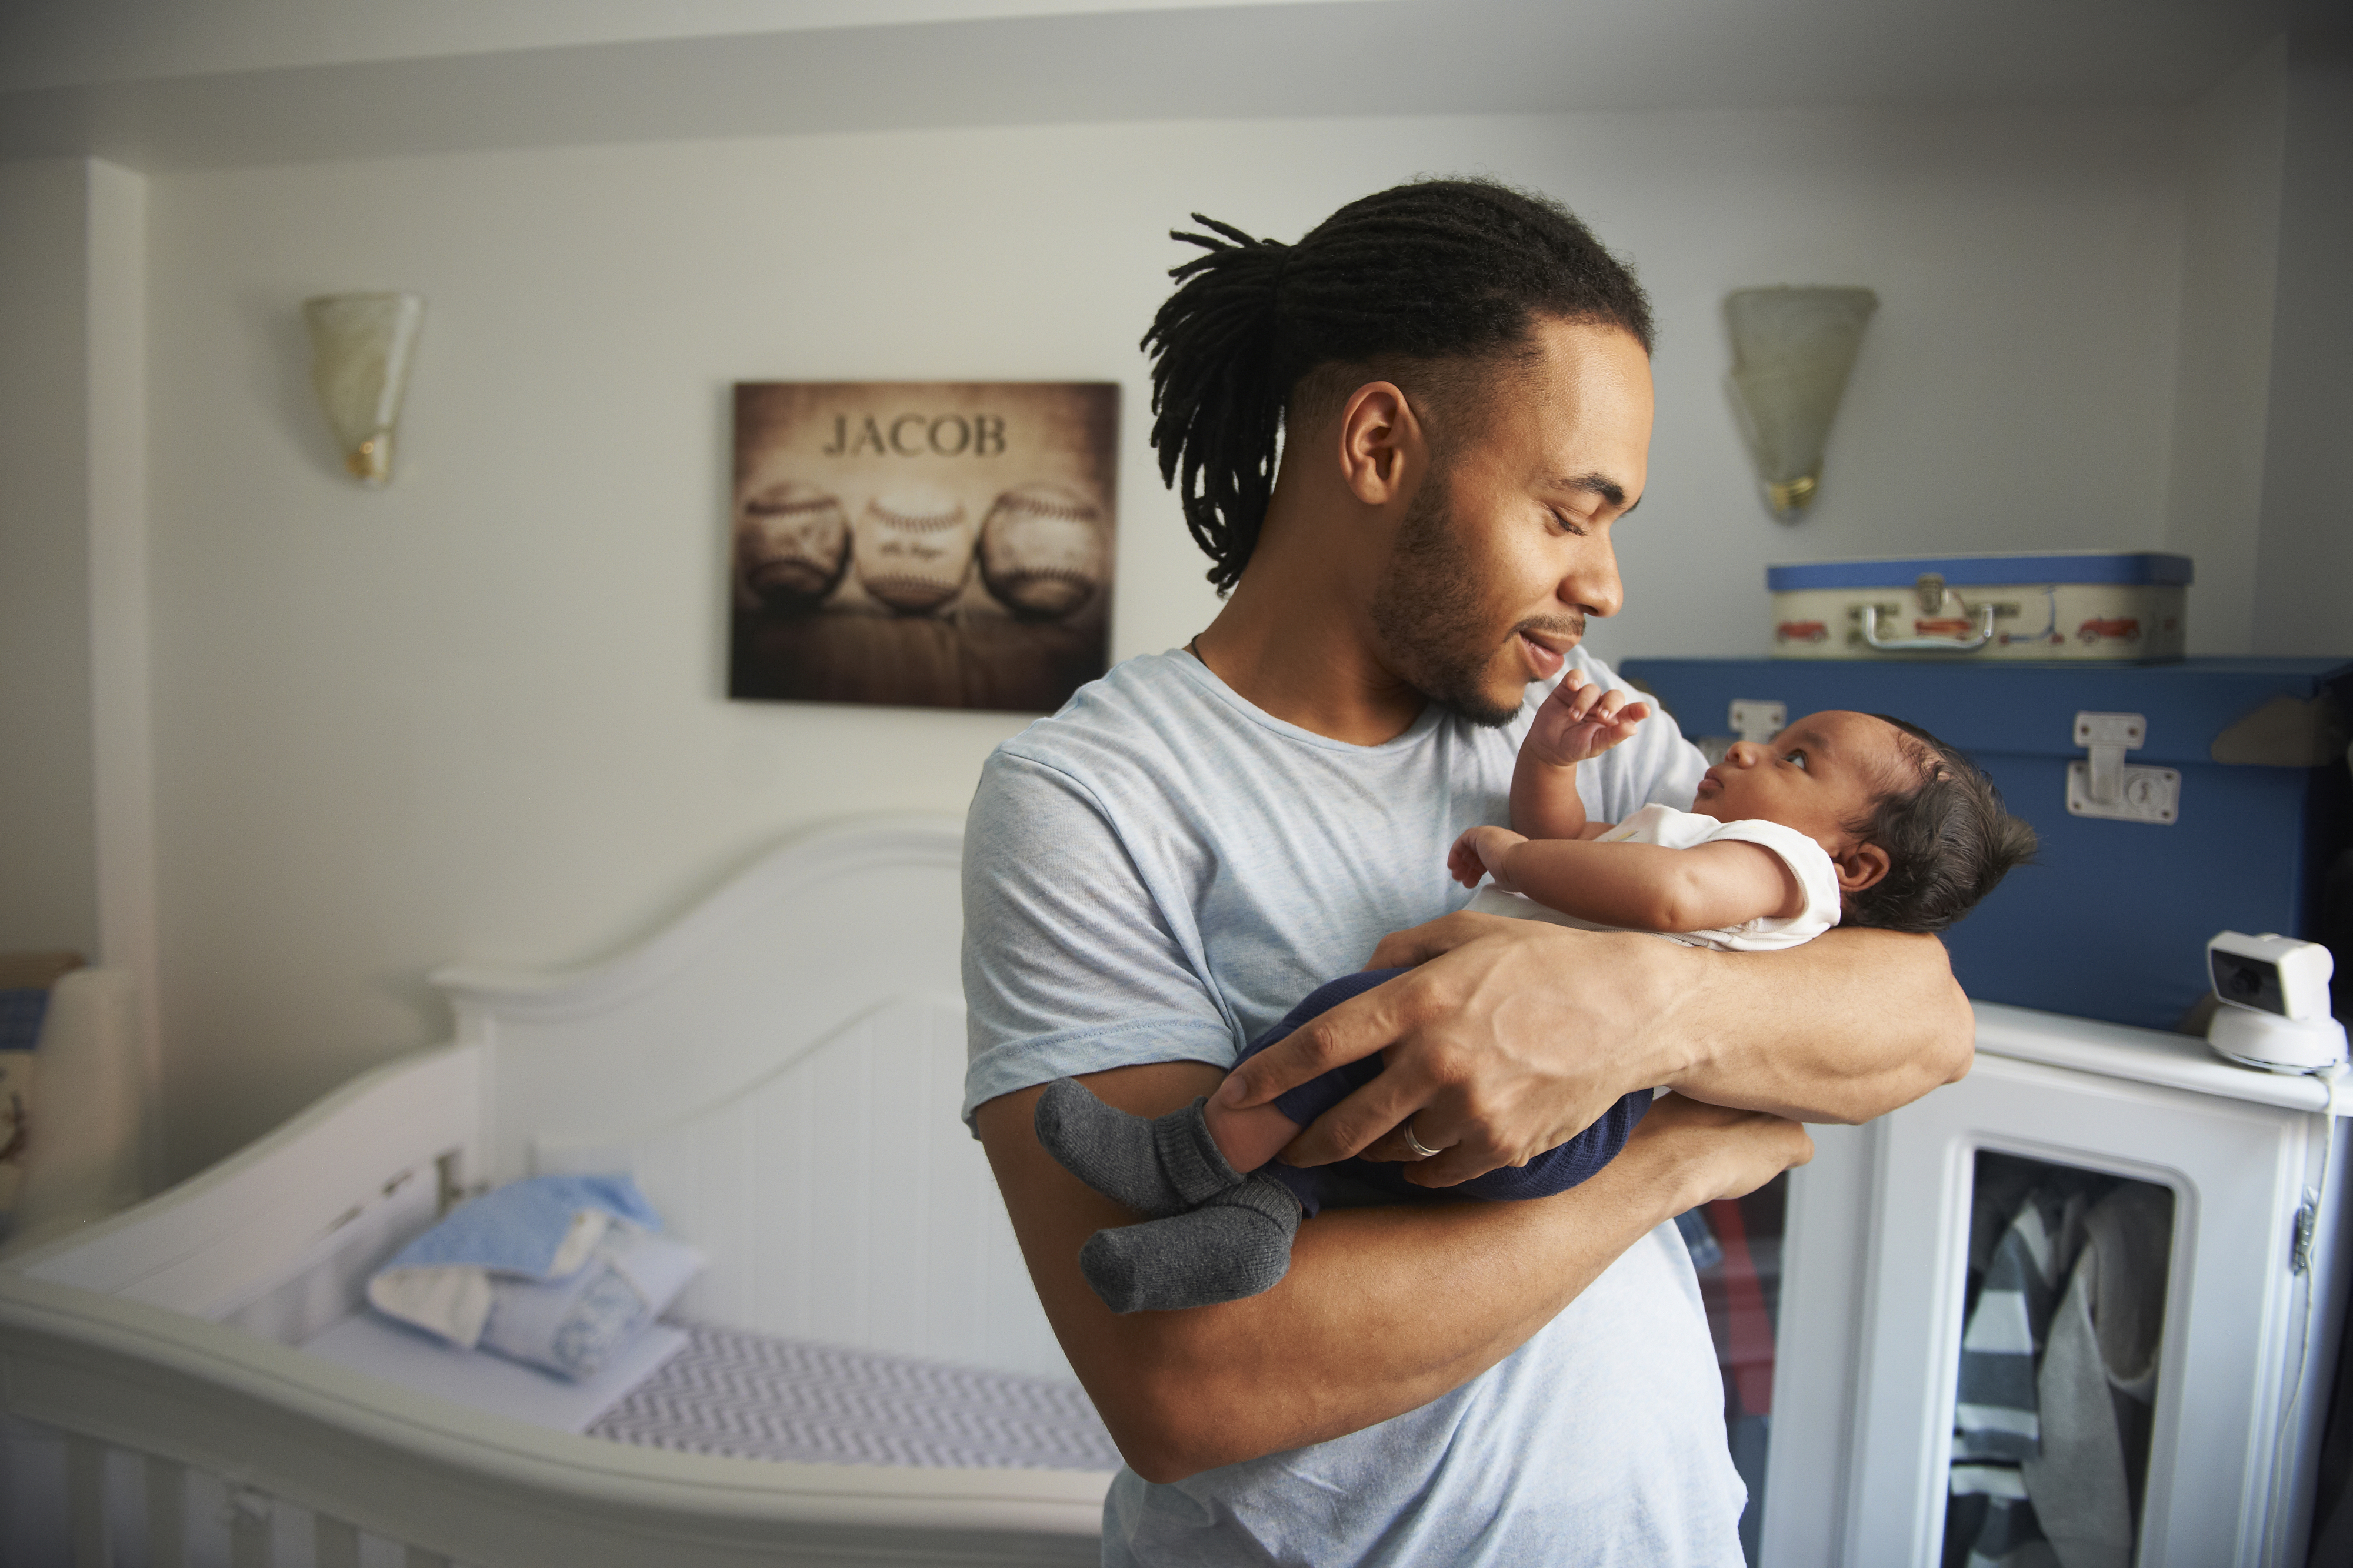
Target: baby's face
{"type": "Point", "coordinates": [1818, 776]}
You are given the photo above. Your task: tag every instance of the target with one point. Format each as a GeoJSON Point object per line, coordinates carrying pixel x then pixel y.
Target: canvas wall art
{"type": "Point", "coordinates": [934, 544]}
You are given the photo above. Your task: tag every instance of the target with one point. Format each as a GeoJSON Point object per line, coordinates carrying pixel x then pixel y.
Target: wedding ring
{"type": "Point", "coordinates": [1421, 1150]}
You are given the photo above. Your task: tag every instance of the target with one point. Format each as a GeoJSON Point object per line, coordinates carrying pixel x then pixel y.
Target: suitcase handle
{"type": "Point", "coordinates": [1927, 645]}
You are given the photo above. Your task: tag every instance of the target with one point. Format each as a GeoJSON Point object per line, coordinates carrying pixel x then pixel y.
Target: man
{"type": "Point", "coordinates": [1459, 375]}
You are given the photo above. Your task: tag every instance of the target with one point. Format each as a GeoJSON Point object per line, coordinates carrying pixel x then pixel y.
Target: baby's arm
{"type": "Point", "coordinates": [1579, 719]}
{"type": "Point", "coordinates": [1643, 887]}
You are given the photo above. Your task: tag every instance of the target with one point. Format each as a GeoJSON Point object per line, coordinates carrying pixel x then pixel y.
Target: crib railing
{"type": "Point", "coordinates": [134, 1435]}
{"type": "Point", "coordinates": [125, 1508]}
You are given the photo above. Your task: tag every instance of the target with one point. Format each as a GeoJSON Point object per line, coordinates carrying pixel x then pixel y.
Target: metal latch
{"type": "Point", "coordinates": [2106, 786]}
{"type": "Point", "coordinates": [1757, 722]}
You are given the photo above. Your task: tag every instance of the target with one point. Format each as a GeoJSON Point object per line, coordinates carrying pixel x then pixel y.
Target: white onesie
{"type": "Point", "coordinates": [1663, 825]}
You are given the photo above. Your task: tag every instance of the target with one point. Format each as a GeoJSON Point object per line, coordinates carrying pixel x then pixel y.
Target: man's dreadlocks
{"type": "Point", "coordinates": [1407, 284]}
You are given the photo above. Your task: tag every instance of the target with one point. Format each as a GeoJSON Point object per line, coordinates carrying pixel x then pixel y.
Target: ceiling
{"type": "Point", "coordinates": [163, 85]}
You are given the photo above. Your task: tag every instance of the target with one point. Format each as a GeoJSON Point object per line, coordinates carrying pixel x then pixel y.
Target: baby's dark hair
{"type": "Point", "coordinates": [1947, 838]}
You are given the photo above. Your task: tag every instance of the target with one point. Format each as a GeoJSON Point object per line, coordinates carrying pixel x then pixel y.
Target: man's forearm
{"type": "Point", "coordinates": [1384, 1310]}
{"type": "Point", "coordinates": [1844, 1029]}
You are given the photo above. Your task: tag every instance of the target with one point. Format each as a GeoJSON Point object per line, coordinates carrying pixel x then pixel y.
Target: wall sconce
{"type": "Point", "coordinates": [1791, 350]}
{"type": "Point", "coordinates": [360, 349]}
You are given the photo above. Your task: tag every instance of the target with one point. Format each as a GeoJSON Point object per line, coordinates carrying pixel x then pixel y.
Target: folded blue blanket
{"type": "Point", "coordinates": [522, 1227]}
{"type": "Point", "coordinates": [558, 1271]}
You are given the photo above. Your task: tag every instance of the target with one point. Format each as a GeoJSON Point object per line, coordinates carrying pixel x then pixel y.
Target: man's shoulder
{"type": "Point", "coordinates": [1124, 743]}
{"type": "Point", "coordinates": [1158, 724]}
{"type": "Point", "coordinates": [1131, 703]}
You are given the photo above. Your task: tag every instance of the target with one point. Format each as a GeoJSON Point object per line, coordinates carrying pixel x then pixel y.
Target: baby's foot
{"type": "Point", "coordinates": [1236, 1244]}
{"type": "Point", "coordinates": [1156, 1167]}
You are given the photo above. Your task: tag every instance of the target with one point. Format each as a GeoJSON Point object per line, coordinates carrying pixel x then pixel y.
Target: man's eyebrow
{"type": "Point", "coordinates": [1602, 484]}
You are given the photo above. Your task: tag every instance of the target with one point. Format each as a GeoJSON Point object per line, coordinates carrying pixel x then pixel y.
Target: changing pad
{"type": "Point", "coordinates": [750, 1396]}
{"type": "Point", "coordinates": [414, 1359]}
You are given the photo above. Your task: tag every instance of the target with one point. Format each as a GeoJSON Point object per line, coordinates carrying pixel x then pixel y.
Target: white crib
{"type": "Point", "coordinates": [798, 1037]}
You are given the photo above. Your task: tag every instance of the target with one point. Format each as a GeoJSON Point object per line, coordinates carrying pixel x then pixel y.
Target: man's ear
{"type": "Point", "coordinates": [1383, 450]}
{"type": "Point", "coordinates": [1862, 865]}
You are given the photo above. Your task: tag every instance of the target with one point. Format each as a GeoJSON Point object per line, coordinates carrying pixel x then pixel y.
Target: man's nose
{"type": "Point", "coordinates": [1591, 584]}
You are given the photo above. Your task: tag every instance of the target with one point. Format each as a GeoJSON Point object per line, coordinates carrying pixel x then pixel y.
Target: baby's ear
{"type": "Point", "coordinates": [1862, 865]}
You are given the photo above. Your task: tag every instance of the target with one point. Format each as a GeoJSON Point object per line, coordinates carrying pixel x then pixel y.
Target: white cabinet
{"type": "Point", "coordinates": [1879, 1288]}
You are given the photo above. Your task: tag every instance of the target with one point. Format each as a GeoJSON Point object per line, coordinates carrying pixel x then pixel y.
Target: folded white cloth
{"type": "Point", "coordinates": [557, 1271]}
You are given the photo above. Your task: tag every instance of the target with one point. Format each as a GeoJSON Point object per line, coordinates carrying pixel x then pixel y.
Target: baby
{"type": "Point", "coordinates": [1840, 817]}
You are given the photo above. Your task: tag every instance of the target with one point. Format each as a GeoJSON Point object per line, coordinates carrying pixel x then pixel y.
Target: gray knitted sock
{"type": "Point", "coordinates": [1155, 1167]}
{"type": "Point", "coordinates": [1236, 1244]}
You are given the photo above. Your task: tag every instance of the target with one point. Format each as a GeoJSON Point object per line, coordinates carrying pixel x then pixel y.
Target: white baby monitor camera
{"type": "Point", "coordinates": [2274, 992]}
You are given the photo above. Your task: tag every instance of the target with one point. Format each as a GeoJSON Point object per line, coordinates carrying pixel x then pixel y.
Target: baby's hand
{"type": "Point", "coordinates": [1580, 720]}
{"type": "Point", "coordinates": [1480, 852]}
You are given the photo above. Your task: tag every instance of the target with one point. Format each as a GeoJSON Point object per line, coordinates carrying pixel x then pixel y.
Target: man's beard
{"type": "Point", "coordinates": [1429, 610]}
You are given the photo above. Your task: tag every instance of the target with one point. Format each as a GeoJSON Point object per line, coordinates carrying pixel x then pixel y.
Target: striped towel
{"type": "Point", "coordinates": [1997, 1419]}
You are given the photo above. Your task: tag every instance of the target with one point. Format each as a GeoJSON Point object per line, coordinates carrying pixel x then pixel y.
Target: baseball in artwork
{"type": "Point", "coordinates": [930, 544]}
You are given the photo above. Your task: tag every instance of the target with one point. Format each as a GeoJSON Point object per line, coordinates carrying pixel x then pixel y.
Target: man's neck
{"type": "Point", "coordinates": [1294, 646]}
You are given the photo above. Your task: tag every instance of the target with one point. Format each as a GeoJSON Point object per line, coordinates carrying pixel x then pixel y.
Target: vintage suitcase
{"type": "Point", "coordinates": [2065, 606]}
{"type": "Point", "coordinates": [2173, 801]}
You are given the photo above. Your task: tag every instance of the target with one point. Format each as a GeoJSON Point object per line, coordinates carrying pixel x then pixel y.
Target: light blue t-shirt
{"type": "Point", "coordinates": [1159, 872]}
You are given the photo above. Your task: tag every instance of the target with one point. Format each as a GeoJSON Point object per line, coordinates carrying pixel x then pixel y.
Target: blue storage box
{"type": "Point", "coordinates": [2112, 923]}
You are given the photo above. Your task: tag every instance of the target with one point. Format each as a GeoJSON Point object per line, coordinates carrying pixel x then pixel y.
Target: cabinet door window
{"type": "Point", "coordinates": [2065, 1317]}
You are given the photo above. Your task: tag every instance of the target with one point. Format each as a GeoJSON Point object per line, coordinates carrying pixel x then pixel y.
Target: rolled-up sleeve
{"type": "Point", "coordinates": [1069, 965]}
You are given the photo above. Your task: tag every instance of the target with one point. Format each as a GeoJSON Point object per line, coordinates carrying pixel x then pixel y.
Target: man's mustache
{"type": "Point", "coordinates": [1569, 627]}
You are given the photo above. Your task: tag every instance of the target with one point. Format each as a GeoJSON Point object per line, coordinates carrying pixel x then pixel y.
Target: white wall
{"type": "Point", "coordinates": [2306, 558]}
{"type": "Point", "coordinates": [2014, 391]}
{"type": "Point", "coordinates": [2235, 139]}
{"type": "Point", "coordinates": [479, 714]}
{"type": "Point", "coordinates": [49, 867]}
{"type": "Point", "coordinates": [122, 771]}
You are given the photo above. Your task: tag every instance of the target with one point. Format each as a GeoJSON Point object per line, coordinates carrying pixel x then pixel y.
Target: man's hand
{"type": "Point", "coordinates": [1514, 1036]}
{"type": "Point", "coordinates": [1507, 1044]}
{"type": "Point", "coordinates": [1479, 852]}
{"type": "Point", "coordinates": [1581, 720]}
